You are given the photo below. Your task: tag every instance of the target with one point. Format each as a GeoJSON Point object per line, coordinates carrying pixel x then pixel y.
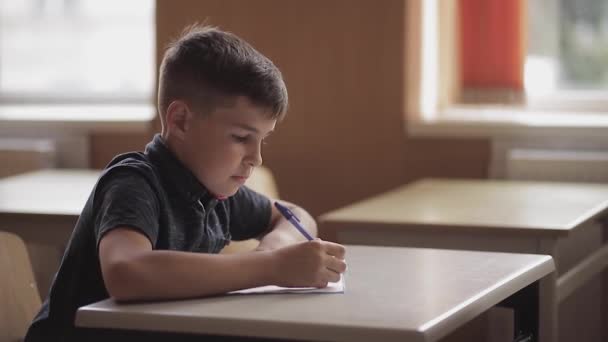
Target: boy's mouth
{"type": "Point", "coordinates": [240, 179]}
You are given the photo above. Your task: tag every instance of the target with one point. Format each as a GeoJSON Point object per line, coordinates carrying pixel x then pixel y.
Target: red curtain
{"type": "Point", "coordinates": [492, 34]}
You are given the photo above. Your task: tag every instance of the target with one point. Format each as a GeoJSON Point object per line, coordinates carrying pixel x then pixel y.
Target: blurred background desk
{"type": "Point", "coordinates": [392, 294]}
{"type": "Point", "coordinates": [42, 207]}
{"type": "Point", "coordinates": [558, 219]}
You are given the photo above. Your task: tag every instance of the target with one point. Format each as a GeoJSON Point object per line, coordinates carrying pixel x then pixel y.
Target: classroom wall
{"type": "Point", "coordinates": [344, 65]}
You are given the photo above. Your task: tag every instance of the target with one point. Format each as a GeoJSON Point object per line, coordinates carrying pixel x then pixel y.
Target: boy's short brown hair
{"type": "Point", "coordinates": [205, 65]}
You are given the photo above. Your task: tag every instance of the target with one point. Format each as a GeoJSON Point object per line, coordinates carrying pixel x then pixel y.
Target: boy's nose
{"type": "Point", "coordinates": [255, 157]}
{"type": "Point", "coordinates": [257, 160]}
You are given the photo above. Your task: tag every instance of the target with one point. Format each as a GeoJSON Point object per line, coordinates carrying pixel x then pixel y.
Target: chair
{"type": "Point", "coordinates": [262, 181]}
{"type": "Point", "coordinates": [19, 298]}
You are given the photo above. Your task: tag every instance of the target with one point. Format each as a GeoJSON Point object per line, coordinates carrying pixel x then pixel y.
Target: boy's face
{"type": "Point", "coordinates": [222, 147]}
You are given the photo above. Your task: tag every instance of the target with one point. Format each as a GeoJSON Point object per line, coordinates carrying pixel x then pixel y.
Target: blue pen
{"type": "Point", "coordinates": [293, 219]}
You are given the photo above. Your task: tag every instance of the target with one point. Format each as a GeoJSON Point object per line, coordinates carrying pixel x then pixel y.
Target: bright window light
{"type": "Point", "coordinates": [568, 48]}
{"type": "Point", "coordinates": [429, 59]}
{"type": "Point", "coordinates": [540, 75]}
{"type": "Point", "coordinates": [74, 51]}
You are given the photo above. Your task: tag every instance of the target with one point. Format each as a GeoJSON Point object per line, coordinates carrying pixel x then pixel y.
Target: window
{"type": "Point", "coordinates": [506, 79]}
{"type": "Point", "coordinates": [568, 49]}
{"type": "Point", "coordinates": [508, 54]}
{"type": "Point", "coordinates": [76, 51]}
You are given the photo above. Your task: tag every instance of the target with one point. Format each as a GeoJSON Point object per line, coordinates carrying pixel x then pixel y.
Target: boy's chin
{"type": "Point", "coordinates": [227, 193]}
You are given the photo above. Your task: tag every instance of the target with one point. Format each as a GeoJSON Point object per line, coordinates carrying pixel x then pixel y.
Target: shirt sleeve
{"type": "Point", "coordinates": [250, 214]}
{"type": "Point", "coordinates": [124, 198]}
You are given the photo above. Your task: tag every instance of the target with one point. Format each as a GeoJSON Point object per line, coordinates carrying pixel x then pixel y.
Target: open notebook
{"type": "Point", "coordinates": [337, 287]}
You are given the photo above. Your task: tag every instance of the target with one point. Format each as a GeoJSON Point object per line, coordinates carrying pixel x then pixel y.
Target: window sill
{"type": "Point", "coordinates": [509, 122]}
{"type": "Point", "coordinates": [81, 119]}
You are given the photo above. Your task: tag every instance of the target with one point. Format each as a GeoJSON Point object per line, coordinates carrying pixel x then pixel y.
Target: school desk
{"type": "Point", "coordinates": [392, 294]}
{"type": "Point", "coordinates": [42, 207]}
{"type": "Point", "coordinates": [491, 215]}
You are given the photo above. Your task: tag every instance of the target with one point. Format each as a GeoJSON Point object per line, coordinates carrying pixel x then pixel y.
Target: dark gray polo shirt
{"type": "Point", "coordinates": [155, 194]}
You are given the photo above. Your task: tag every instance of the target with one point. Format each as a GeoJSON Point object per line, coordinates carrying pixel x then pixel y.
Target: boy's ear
{"type": "Point", "coordinates": [178, 119]}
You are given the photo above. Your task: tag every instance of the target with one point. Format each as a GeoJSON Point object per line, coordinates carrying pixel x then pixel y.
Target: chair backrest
{"type": "Point", "coordinates": [262, 180]}
{"type": "Point", "coordinates": [19, 298]}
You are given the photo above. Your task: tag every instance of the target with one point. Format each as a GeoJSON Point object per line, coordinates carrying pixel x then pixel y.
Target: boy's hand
{"type": "Point", "coordinates": [309, 264]}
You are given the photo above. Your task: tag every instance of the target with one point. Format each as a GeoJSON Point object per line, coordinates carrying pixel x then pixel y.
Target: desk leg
{"type": "Point", "coordinates": [525, 304]}
{"type": "Point", "coordinates": [548, 309]}
{"type": "Point", "coordinates": [548, 305]}
{"type": "Point", "coordinates": [604, 286]}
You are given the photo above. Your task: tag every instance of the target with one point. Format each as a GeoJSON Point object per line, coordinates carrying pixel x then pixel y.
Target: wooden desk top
{"type": "Point", "coordinates": [64, 192]}
{"type": "Point", "coordinates": [47, 192]}
{"type": "Point", "coordinates": [528, 207]}
{"type": "Point", "coordinates": [392, 294]}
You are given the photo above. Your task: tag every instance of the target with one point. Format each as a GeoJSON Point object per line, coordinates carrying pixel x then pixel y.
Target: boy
{"type": "Point", "coordinates": [218, 98]}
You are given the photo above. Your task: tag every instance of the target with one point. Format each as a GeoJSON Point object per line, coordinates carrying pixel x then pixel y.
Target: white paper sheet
{"type": "Point", "coordinates": [337, 287]}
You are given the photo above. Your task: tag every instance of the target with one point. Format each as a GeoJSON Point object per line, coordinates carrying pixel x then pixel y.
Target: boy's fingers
{"type": "Point", "coordinates": [334, 249]}
{"type": "Point", "coordinates": [336, 265]}
{"type": "Point", "coordinates": [333, 276]}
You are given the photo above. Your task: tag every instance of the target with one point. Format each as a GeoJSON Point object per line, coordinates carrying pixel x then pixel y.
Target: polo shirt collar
{"type": "Point", "coordinates": [179, 178]}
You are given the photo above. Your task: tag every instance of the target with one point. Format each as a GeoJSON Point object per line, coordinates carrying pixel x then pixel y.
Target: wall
{"type": "Point", "coordinates": [104, 146]}
{"type": "Point", "coordinates": [344, 65]}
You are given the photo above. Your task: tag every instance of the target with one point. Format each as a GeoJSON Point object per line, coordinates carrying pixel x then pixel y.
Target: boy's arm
{"type": "Point", "coordinates": [133, 271]}
{"type": "Point", "coordinates": [282, 232]}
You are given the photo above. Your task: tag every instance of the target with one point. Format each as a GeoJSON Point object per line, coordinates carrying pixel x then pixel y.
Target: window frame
{"type": "Point", "coordinates": [440, 114]}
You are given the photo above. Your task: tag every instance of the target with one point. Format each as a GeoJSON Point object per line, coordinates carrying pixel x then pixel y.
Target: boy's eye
{"type": "Point", "coordinates": [239, 138]}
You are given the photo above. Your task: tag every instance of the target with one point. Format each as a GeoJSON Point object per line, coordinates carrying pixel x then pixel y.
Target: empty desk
{"type": "Point", "coordinates": [392, 294]}
{"type": "Point", "coordinates": [510, 216]}
{"type": "Point", "coordinates": [42, 207]}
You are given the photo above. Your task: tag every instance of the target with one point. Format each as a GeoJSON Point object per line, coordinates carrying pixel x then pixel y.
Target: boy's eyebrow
{"type": "Point", "coordinates": [250, 128]}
